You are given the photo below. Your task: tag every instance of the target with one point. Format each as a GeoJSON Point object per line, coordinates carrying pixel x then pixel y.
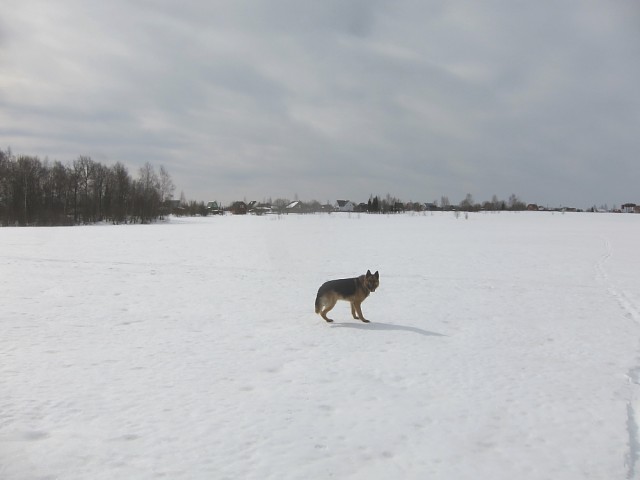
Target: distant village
{"type": "Point", "coordinates": [374, 205]}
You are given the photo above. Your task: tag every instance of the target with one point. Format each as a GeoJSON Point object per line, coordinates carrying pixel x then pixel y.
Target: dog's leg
{"type": "Point", "coordinates": [327, 309]}
{"type": "Point", "coordinates": [359, 310]}
{"type": "Point", "coordinates": [353, 311]}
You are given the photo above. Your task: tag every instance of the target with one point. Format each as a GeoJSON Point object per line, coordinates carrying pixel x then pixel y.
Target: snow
{"type": "Point", "coordinates": [503, 346]}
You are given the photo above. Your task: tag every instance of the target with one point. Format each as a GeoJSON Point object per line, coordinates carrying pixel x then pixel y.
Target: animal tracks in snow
{"type": "Point", "coordinates": [632, 312]}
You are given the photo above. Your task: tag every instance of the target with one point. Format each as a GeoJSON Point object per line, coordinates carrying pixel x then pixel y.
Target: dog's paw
{"type": "Point", "coordinates": [365, 321]}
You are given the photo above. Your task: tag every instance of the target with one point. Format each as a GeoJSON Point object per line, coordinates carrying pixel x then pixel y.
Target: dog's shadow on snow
{"type": "Point", "coordinates": [387, 327]}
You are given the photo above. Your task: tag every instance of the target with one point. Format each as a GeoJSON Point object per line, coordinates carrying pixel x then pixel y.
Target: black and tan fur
{"type": "Point", "coordinates": [353, 290]}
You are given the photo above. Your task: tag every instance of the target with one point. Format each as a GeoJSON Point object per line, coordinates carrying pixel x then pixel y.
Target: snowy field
{"type": "Point", "coordinates": [502, 346]}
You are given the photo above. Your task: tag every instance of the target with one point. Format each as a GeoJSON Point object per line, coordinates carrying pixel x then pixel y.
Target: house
{"type": "Point", "coordinates": [214, 209]}
{"type": "Point", "coordinates": [294, 207]}
{"type": "Point", "coordinates": [345, 206]}
{"type": "Point", "coordinates": [238, 208]}
{"type": "Point", "coordinates": [261, 209]}
{"type": "Point", "coordinates": [629, 208]}
{"type": "Point", "coordinates": [328, 208]}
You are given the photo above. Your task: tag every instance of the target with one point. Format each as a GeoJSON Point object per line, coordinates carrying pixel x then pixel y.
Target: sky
{"type": "Point", "coordinates": [338, 99]}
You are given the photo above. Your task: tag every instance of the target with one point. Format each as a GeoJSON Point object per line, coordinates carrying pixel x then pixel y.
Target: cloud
{"type": "Point", "coordinates": [333, 99]}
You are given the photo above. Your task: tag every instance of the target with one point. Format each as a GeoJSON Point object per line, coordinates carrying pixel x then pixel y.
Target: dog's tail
{"type": "Point", "coordinates": [318, 303]}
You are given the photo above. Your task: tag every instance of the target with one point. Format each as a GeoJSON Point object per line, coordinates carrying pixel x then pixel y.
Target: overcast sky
{"type": "Point", "coordinates": [334, 99]}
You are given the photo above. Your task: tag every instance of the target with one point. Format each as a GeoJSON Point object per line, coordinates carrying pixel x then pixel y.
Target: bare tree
{"type": "Point", "coordinates": [84, 169]}
{"type": "Point", "coordinates": [166, 185]}
{"type": "Point", "coordinates": [27, 191]}
{"type": "Point", "coordinates": [99, 187]}
{"type": "Point", "coordinates": [467, 203]}
{"type": "Point", "coordinates": [119, 185]}
{"type": "Point", "coordinates": [515, 203]}
{"type": "Point", "coordinates": [147, 193]}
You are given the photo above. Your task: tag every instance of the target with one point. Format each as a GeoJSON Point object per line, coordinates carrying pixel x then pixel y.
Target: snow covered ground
{"type": "Point", "coordinates": [503, 346]}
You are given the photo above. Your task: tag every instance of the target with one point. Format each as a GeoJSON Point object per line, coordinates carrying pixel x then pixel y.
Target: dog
{"type": "Point", "coordinates": [353, 290]}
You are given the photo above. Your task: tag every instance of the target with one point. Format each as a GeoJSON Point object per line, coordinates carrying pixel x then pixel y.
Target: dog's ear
{"type": "Point", "coordinates": [376, 274]}
{"type": "Point", "coordinates": [368, 273]}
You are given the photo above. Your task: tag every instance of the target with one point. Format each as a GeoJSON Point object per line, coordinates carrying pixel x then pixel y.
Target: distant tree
{"type": "Point", "coordinates": [389, 204]}
{"type": "Point", "coordinates": [5, 190]}
{"type": "Point", "coordinates": [467, 204]}
{"type": "Point", "coordinates": [313, 206]}
{"type": "Point", "coordinates": [27, 191]}
{"type": "Point", "coordinates": [45, 216]}
{"type": "Point", "coordinates": [60, 194]}
{"type": "Point", "coordinates": [147, 194]}
{"type": "Point", "coordinates": [84, 169]}
{"type": "Point", "coordinates": [280, 203]}
{"type": "Point", "coordinates": [119, 192]}
{"type": "Point", "coordinates": [197, 209]}
{"type": "Point", "coordinates": [166, 185]}
{"type": "Point", "coordinates": [375, 204]}
{"type": "Point", "coordinates": [166, 190]}
{"type": "Point", "coordinates": [515, 203]}
{"type": "Point", "coordinates": [444, 202]}
{"type": "Point", "coordinates": [99, 186]}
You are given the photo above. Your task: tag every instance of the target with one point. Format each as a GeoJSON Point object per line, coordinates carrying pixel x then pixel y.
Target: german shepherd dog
{"type": "Point", "coordinates": [353, 290]}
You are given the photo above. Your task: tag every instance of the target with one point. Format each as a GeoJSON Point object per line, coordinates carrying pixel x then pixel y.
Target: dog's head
{"type": "Point", "coordinates": [371, 281]}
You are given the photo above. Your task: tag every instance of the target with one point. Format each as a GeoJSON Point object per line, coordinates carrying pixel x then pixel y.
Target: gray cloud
{"type": "Point", "coordinates": [334, 99]}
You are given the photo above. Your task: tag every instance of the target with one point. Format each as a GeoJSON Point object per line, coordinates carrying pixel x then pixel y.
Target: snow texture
{"type": "Point", "coordinates": [503, 346]}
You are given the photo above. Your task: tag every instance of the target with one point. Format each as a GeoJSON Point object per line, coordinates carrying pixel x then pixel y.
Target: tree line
{"type": "Point", "coordinates": [391, 204]}
{"type": "Point", "coordinates": [40, 192]}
